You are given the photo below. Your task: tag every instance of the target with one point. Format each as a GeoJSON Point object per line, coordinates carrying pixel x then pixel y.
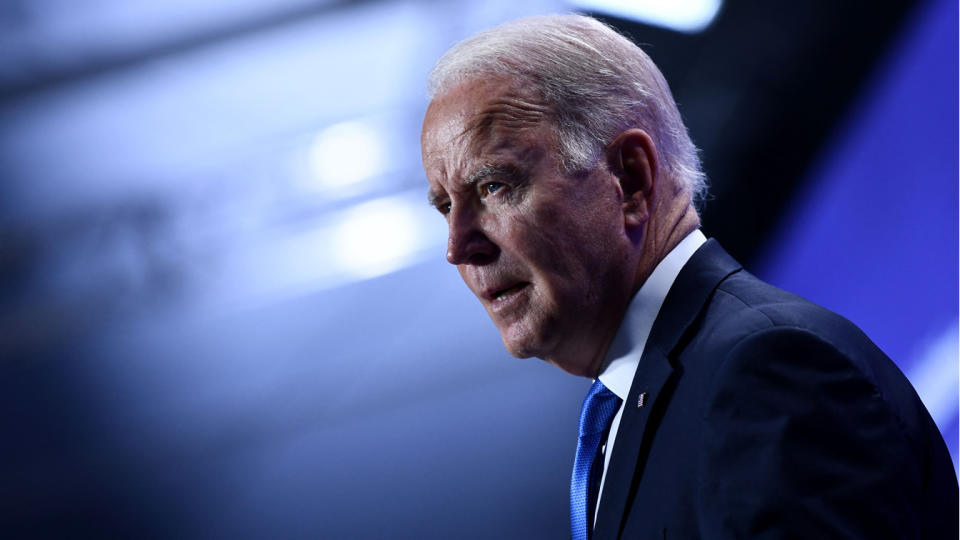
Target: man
{"type": "Point", "coordinates": [723, 407]}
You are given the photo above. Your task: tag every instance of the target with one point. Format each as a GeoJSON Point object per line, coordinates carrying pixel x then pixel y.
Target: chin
{"type": "Point", "coordinates": [517, 350]}
{"type": "Point", "coordinates": [522, 343]}
{"type": "Point", "coordinates": [530, 331]}
{"type": "Point", "coordinates": [546, 351]}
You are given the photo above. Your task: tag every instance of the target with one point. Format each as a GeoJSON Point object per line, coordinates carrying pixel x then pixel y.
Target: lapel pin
{"type": "Point", "coordinates": [641, 400]}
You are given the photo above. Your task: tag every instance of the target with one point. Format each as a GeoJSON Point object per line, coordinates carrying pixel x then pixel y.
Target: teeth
{"type": "Point", "coordinates": [507, 292]}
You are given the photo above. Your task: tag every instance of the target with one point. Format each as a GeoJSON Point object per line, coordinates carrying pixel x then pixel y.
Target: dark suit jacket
{"type": "Point", "coordinates": [766, 416]}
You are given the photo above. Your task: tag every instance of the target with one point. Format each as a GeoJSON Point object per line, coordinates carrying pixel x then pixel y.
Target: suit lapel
{"type": "Point", "coordinates": [652, 374]}
{"type": "Point", "coordinates": [687, 297]}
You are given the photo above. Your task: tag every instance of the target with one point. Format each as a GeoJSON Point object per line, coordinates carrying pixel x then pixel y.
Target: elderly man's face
{"type": "Point", "coordinates": [545, 252]}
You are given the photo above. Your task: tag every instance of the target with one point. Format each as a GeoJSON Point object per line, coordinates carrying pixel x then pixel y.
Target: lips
{"type": "Point", "coordinates": [501, 294]}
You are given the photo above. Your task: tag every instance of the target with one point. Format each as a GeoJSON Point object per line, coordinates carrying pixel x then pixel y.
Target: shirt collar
{"type": "Point", "coordinates": [623, 357]}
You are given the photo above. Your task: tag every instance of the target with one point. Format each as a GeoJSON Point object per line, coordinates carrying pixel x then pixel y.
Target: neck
{"type": "Point", "coordinates": [660, 239]}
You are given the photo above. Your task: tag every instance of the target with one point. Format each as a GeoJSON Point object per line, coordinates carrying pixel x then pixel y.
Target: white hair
{"type": "Point", "coordinates": [595, 82]}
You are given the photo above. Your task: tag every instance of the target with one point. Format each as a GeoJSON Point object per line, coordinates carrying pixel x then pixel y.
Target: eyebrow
{"type": "Point", "coordinates": [490, 170]}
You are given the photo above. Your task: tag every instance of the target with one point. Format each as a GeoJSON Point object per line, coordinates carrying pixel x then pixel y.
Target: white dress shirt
{"type": "Point", "coordinates": [623, 357]}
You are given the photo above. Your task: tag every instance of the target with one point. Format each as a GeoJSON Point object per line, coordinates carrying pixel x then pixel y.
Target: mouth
{"type": "Point", "coordinates": [499, 296]}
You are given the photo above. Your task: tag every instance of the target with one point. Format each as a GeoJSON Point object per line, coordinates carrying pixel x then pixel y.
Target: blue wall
{"type": "Point", "coordinates": [873, 235]}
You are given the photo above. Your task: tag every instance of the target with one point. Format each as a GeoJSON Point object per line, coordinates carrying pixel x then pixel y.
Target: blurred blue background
{"type": "Point", "coordinates": [224, 307]}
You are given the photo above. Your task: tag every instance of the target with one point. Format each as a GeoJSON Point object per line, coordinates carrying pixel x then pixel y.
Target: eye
{"type": "Point", "coordinates": [443, 208]}
{"type": "Point", "coordinates": [491, 188]}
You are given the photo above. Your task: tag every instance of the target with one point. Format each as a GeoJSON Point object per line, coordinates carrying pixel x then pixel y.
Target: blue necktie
{"type": "Point", "coordinates": [598, 410]}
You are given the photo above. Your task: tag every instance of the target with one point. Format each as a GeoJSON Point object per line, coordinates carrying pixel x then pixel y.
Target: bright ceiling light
{"type": "Point", "coordinates": [377, 237]}
{"type": "Point", "coordinates": [688, 16]}
{"type": "Point", "coordinates": [345, 154]}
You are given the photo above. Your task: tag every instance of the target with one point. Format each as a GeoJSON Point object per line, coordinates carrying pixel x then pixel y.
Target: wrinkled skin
{"type": "Point", "coordinates": [552, 257]}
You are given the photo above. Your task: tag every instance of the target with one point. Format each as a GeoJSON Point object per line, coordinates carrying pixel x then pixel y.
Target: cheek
{"type": "Point", "coordinates": [583, 260]}
{"type": "Point", "coordinates": [570, 239]}
{"type": "Point", "coordinates": [543, 241]}
{"type": "Point", "coordinates": [578, 243]}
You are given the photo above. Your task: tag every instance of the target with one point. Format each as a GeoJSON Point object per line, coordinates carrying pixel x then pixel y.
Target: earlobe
{"type": "Point", "coordinates": [633, 159]}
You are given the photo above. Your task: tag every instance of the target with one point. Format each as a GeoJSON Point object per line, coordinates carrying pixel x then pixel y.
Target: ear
{"type": "Point", "coordinates": [632, 157]}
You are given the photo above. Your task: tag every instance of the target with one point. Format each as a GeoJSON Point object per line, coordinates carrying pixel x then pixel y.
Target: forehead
{"type": "Point", "coordinates": [480, 117]}
{"type": "Point", "coordinates": [479, 104]}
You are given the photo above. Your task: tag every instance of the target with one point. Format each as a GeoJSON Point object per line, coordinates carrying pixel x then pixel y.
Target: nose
{"type": "Point", "coordinates": [467, 242]}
